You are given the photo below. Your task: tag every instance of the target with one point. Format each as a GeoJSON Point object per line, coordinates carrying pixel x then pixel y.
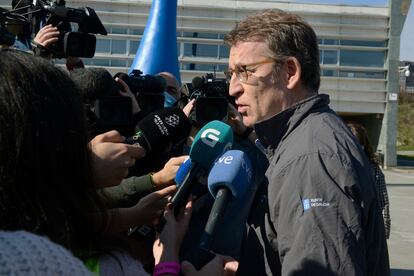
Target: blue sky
{"type": "Point", "coordinates": [407, 35]}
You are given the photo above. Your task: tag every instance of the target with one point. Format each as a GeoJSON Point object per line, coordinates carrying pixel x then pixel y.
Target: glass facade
{"type": "Point", "coordinates": [369, 55]}
{"type": "Point", "coordinates": [362, 58]}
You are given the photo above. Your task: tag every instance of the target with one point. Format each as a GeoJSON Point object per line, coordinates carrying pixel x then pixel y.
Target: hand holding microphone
{"type": "Point", "coordinates": [211, 141]}
{"type": "Point", "coordinates": [166, 176]}
{"type": "Point", "coordinates": [111, 158]}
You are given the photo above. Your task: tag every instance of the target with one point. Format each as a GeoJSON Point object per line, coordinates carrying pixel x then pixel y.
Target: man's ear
{"type": "Point", "coordinates": [294, 72]}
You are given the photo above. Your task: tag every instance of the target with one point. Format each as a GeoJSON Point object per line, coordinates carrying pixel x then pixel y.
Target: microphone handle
{"type": "Point", "coordinates": [181, 196]}
{"type": "Point", "coordinates": [140, 139]}
{"type": "Point", "coordinates": [217, 211]}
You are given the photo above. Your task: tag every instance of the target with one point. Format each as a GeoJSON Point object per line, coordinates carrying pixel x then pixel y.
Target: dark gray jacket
{"type": "Point", "coordinates": [319, 214]}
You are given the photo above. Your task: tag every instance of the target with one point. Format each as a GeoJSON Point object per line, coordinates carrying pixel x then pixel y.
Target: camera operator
{"type": "Point", "coordinates": [50, 24]}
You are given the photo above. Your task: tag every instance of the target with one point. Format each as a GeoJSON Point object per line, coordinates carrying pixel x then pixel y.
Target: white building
{"type": "Point", "coordinates": [359, 49]}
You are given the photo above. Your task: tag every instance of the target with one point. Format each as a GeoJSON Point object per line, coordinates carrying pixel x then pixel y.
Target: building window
{"type": "Point", "coordinates": [222, 67]}
{"type": "Point", "coordinates": [328, 57]}
{"type": "Point", "coordinates": [118, 63]}
{"type": "Point", "coordinates": [118, 47]}
{"type": "Point", "coordinates": [200, 50]}
{"type": "Point", "coordinates": [364, 75]}
{"type": "Point", "coordinates": [224, 51]}
{"type": "Point", "coordinates": [119, 30]}
{"type": "Point", "coordinates": [199, 67]}
{"type": "Point", "coordinates": [133, 46]}
{"type": "Point", "coordinates": [96, 62]}
{"type": "Point", "coordinates": [136, 31]}
{"type": "Point", "coordinates": [368, 43]}
{"type": "Point", "coordinates": [201, 35]}
{"type": "Point", "coordinates": [329, 73]}
{"type": "Point", "coordinates": [362, 58]}
{"type": "Point", "coordinates": [328, 41]}
{"type": "Point", "coordinates": [102, 46]}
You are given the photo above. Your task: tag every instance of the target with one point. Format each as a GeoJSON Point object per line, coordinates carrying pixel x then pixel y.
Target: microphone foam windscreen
{"type": "Point", "coordinates": [164, 126]}
{"type": "Point", "coordinates": [233, 170]}
{"type": "Point", "coordinates": [210, 142]}
{"type": "Point", "coordinates": [183, 170]}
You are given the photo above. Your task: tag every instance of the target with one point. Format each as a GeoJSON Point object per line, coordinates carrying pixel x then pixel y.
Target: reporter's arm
{"type": "Point", "coordinates": [128, 192]}
{"type": "Point", "coordinates": [146, 212]}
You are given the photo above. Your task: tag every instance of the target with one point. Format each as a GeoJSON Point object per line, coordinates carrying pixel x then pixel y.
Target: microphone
{"type": "Point", "coordinates": [229, 179]}
{"type": "Point", "coordinates": [210, 142]}
{"type": "Point", "coordinates": [156, 130]}
{"type": "Point", "coordinates": [183, 170]}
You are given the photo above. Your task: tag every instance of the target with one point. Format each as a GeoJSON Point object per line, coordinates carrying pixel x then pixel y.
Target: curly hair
{"type": "Point", "coordinates": [286, 35]}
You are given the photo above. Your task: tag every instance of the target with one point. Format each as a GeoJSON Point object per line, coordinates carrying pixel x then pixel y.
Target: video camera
{"type": "Point", "coordinates": [148, 90]}
{"type": "Point", "coordinates": [212, 98]}
{"type": "Point", "coordinates": [78, 44]}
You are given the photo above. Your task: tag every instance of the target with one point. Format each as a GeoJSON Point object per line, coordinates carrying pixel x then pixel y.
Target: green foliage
{"type": "Point", "coordinates": [405, 136]}
{"type": "Point", "coordinates": [405, 157]}
{"type": "Point", "coordinates": [407, 148]}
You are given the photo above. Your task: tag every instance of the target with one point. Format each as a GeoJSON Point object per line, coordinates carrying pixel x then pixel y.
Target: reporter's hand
{"type": "Point", "coordinates": [47, 36]}
{"type": "Point", "coordinates": [149, 208]}
{"type": "Point", "coordinates": [111, 158]}
{"type": "Point", "coordinates": [166, 176]}
{"type": "Point", "coordinates": [167, 245]}
{"type": "Point", "coordinates": [220, 265]}
{"type": "Point", "coordinates": [189, 107]}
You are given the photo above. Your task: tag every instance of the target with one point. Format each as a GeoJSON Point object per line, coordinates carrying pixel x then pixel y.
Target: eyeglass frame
{"type": "Point", "coordinates": [239, 73]}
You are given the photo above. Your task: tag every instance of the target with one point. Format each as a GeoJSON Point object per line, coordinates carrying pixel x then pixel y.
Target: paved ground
{"type": "Point", "coordinates": [400, 185]}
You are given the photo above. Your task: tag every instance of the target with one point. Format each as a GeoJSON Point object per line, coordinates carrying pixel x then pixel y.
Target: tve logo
{"type": "Point", "coordinates": [210, 137]}
{"type": "Point", "coordinates": [225, 160]}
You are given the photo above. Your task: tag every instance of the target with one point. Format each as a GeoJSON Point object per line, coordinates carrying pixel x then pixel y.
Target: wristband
{"type": "Point", "coordinates": [172, 268]}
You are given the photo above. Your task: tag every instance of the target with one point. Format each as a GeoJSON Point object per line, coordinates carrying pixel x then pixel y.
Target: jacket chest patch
{"type": "Point", "coordinates": [309, 203]}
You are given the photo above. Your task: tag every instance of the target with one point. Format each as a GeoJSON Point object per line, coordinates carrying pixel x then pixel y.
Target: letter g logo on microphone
{"type": "Point", "coordinates": [210, 137]}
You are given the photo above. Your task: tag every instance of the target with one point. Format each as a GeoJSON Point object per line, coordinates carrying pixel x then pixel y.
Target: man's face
{"type": "Point", "coordinates": [173, 87]}
{"type": "Point", "coordinates": [260, 96]}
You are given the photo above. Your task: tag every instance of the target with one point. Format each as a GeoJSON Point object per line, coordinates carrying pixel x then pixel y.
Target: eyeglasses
{"type": "Point", "coordinates": [245, 72]}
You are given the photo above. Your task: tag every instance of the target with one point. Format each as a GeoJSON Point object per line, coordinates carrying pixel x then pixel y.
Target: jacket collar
{"type": "Point", "coordinates": [271, 131]}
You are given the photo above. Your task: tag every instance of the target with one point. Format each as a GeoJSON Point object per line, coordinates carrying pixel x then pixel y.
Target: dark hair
{"type": "Point", "coordinates": [94, 83]}
{"type": "Point", "coordinates": [361, 134]}
{"type": "Point", "coordinates": [287, 35]}
{"type": "Point", "coordinates": [45, 175]}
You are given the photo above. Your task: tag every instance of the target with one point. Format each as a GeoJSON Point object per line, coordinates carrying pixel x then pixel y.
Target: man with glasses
{"type": "Point", "coordinates": [319, 213]}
